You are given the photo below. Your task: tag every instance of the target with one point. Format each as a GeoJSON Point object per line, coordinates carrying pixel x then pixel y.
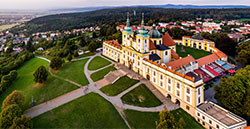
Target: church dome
{"type": "Point", "coordinates": [154, 33]}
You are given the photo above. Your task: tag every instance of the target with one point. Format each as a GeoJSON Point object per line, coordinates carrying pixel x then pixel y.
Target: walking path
{"type": "Point", "coordinates": [95, 87]}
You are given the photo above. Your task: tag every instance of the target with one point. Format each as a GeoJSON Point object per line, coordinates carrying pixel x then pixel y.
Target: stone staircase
{"type": "Point", "coordinates": [113, 76]}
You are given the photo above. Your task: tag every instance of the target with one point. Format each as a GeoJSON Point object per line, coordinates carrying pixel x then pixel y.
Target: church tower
{"type": "Point", "coordinates": [142, 38]}
{"type": "Point", "coordinates": [127, 33]}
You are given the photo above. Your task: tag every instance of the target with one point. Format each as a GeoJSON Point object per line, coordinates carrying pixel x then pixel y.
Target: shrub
{"type": "Point", "coordinates": [16, 97]}
{"type": "Point", "coordinates": [8, 115]}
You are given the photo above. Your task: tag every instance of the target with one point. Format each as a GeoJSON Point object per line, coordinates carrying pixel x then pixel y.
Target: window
{"type": "Point", "coordinates": [154, 73]}
{"type": "Point", "coordinates": [198, 114]}
{"type": "Point", "coordinates": [217, 126]}
{"type": "Point", "coordinates": [166, 53]}
{"type": "Point", "coordinates": [139, 40]}
{"type": "Point", "coordinates": [210, 122]}
{"type": "Point", "coordinates": [188, 90]}
{"type": "Point", "coordinates": [161, 77]}
{"type": "Point", "coordinates": [203, 117]}
{"type": "Point", "coordinates": [198, 120]}
{"type": "Point", "coordinates": [178, 93]}
{"type": "Point", "coordinates": [178, 85]}
{"type": "Point", "coordinates": [155, 42]}
{"type": "Point", "coordinates": [210, 127]}
{"type": "Point", "coordinates": [160, 41]}
{"type": "Point", "coordinates": [145, 41]}
{"type": "Point", "coordinates": [169, 88]}
{"type": "Point", "coordinates": [161, 84]}
{"type": "Point", "coordinates": [147, 69]}
{"type": "Point", "coordinates": [203, 123]}
{"type": "Point", "coordinates": [199, 91]}
{"type": "Point", "coordinates": [187, 107]}
{"type": "Point", "coordinates": [169, 81]}
{"type": "Point", "coordinates": [188, 98]}
{"type": "Point", "coordinates": [154, 80]}
{"type": "Point", "coordinates": [199, 99]}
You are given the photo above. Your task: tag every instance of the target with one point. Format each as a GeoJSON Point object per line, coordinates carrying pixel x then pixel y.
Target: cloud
{"type": "Point", "coordinates": [48, 4]}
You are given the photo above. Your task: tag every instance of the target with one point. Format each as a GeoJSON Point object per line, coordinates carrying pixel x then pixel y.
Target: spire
{"type": "Point", "coordinates": [128, 24]}
{"type": "Point", "coordinates": [142, 21]}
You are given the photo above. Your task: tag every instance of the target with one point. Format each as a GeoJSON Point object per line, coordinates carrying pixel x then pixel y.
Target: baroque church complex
{"type": "Point", "coordinates": [153, 55]}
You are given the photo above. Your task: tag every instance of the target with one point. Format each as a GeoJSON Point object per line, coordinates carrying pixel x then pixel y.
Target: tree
{"type": "Point", "coordinates": [40, 75]}
{"type": "Point", "coordinates": [56, 63]}
{"type": "Point", "coordinates": [244, 53]}
{"type": "Point", "coordinates": [82, 42]}
{"type": "Point", "coordinates": [227, 45]}
{"type": "Point", "coordinates": [8, 115]}
{"type": "Point", "coordinates": [233, 93]}
{"type": "Point", "coordinates": [69, 57]}
{"type": "Point", "coordinates": [76, 54]}
{"type": "Point", "coordinates": [16, 97]}
{"type": "Point", "coordinates": [21, 123]}
{"type": "Point", "coordinates": [167, 121]}
{"type": "Point", "coordinates": [92, 46]}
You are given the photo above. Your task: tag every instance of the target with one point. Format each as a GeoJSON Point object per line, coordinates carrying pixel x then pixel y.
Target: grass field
{"type": "Point", "coordinates": [141, 96]}
{"type": "Point", "coordinates": [244, 19]}
{"type": "Point", "coordinates": [119, 86]}
{"type": "Point", "coordinates": [84, 55]}
{"type": "Point", "coordinates": [98, 62]}
{"type": "Point", "coordinates": [193, 52]}
{"type": "Point", "coordinates": [5, 27]}
{"type": "Point", "coordinates": [148, 120]}
{"type": "Point", "coordinates": [90, 111]}
{"type": "Point", "coordinates": [74, 71]}
{"type": "Point", "coordinates": [100, 74]}
{"type": "Point", "coordinates": [51, 89]}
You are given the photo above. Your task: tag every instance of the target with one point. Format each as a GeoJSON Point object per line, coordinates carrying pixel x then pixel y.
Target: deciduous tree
{"type": "Point", "coordinates": [8, 115]}
{"type": "Point", "coordinates": [21, 123]}
{"type": "Point", "coordinates": [56, 63]}
{"type": "Point", "coordinates": [16, 97]}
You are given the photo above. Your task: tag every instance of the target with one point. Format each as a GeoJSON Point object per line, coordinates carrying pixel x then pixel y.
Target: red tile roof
{"type": "Point", "coordinates": [167, 40]}
{"type": "Point", "coordinates": [207, 59]}
{"type": "Point", "coordinates": [170, 70]}
{"type": "Point", "coordinates": [174, 55]}
{"type": "Point", "coordinates": [114, 43]}
{"type": "Point", "coordinates": [151, 45]}
{"type": "Point", "coordinates": [218, 52]}
{"type": "Point", "coordinates": [177, 64]}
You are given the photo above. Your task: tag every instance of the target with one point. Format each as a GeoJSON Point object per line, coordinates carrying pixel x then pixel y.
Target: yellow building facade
{"type": "Point", "coordinates": [197, 42]}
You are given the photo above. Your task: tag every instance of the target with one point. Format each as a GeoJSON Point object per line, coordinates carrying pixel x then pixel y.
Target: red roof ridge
{"type": "Point", "coordinates": [170, 70]}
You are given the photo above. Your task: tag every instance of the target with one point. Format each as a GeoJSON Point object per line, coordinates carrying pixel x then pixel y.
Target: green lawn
{"type": "Point", "coordinates": [148, 120]}
{"type": "Point", "coordinates": [98, 62]}
{"type": "Point", "coordinates": [193, 52]}
{"type": "Point", "coordinates": [90, 111]}
{"type": "Point", "coordinates": [51, 89]}
{"type": "Point", "coordinates": [244, 19]}
{"type": "Point", "coordinates": [74, 71]}
{"type": "Point", "coordinates": [119, 86]}
{"type": "Point", "coordinates": [141, 96]}
{"type": "Point", "coordinates": [84, 55]}
{"type": "Point", "coordinates": [100, 74]}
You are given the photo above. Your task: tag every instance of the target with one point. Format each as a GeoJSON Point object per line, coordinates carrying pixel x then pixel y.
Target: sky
{"type": "Point", "coordinates": [52, 4]}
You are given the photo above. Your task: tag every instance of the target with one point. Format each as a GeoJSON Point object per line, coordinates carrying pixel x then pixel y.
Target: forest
{"type": "Point", "coordinates": [117, 16]}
